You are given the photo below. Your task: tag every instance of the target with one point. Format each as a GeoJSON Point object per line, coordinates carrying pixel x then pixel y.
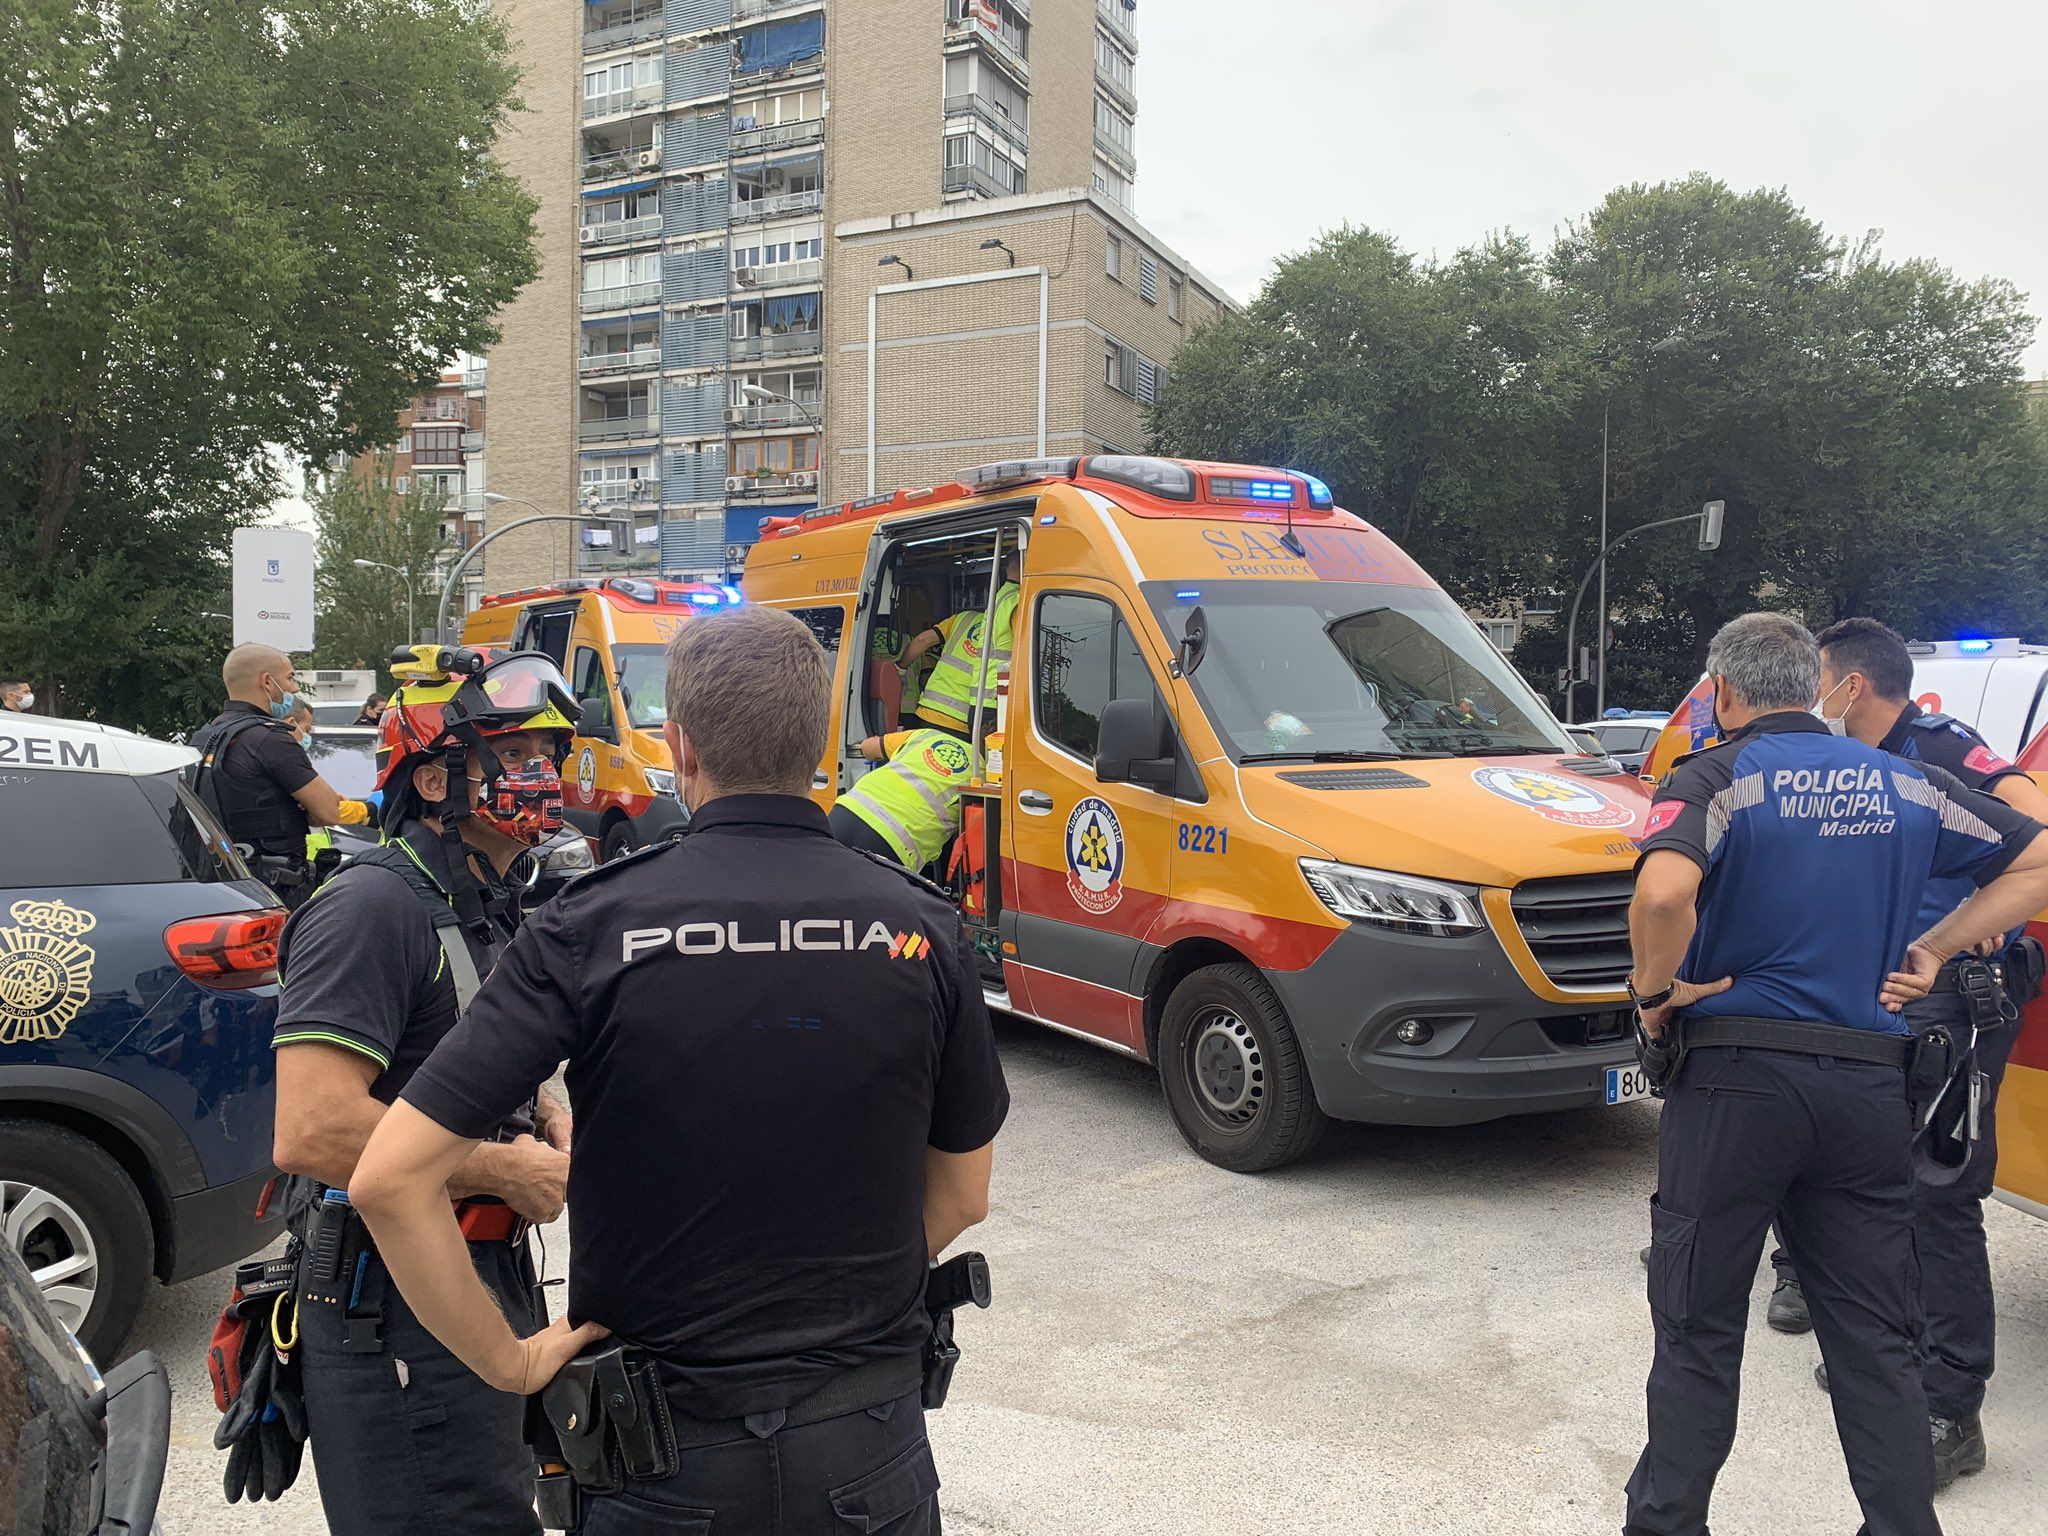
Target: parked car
{"type": "Point", "coordinates": [1627, 738]}
{"type": "Point", "coordinates": [91, 1449]}
{"type": "Point", "coordinates": [137, 995]}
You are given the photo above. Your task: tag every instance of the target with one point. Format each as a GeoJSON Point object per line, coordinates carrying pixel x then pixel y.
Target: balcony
{"type": "Point", "coordinates": [788, 344]}
{"type": "Point", "coordinates": [613, 231]}
{"type": "Point", "coordinates": [779, 275]}
{"type": "Point", "coordinates": [630, 26]}
{"type": "Point", "coordinates": [747, 10]}
{"type": "Point", "coordinates": [436, 458]}
{"type": "Point", "coordinates": [1118, 155]}
{"type": "Point", "coordinates": [624, 297]}
{"type": "Point", "coordinates": [1122, 92]}
{"type": "Point", "coordinates": [474, 374]}
{"type": "Point", "coordinates": [776, 205]}
{"type": "Point", "coordinates": [751, 141]}
{"type": "Point", "coordinates": [773, 482]}
{"type": "Point", "coordinates": [639, 359]}
{"type": "Point", "coordinates": [614, 102]}
{"type": "Point", "coordinates": [614, 163]}
{"type": "Point", "coordinates": [1121, 21]}
{"type": "Point", "coordinates": [972, 178]}
{"type": "Point", "coordinates": [976, 105]}
{"type": "Point", "coordinates": [611, 429]}
{"type": "Point", "coordinates": [969, 30]}
{"type": "Point", "coordinates": [644, 492]}
{"type": "Point", "coordinates": [777, 413]}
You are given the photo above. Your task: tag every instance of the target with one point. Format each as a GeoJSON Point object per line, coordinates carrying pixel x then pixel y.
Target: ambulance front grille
{"type": "Point", "coordinates": [1577, 928]}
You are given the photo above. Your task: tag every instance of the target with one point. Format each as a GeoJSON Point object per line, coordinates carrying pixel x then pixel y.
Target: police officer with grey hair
{"type": "Point", "coordinates": [1774, 943]}
{"type": "Point", "coordinates": [786, 1092]}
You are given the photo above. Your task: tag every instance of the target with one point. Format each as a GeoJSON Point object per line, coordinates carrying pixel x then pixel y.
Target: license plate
{"type": "Point", "coordinates": [1626, 1084]}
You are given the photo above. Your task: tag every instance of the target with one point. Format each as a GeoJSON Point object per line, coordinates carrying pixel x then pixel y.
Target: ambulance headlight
{"type": "Point", "coordinates": [1406, 903]}
{"type": "Point", "coordinates": [660, 780]}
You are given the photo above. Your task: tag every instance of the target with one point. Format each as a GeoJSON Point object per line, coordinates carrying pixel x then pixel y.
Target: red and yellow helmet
{"type": "Point", "coordinates": [451, 699]}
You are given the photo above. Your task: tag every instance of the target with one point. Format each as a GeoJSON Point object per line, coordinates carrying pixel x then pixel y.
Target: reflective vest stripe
{"type": "Point", "coordinates": [949, 692]}
{"type": "Point", "coordinates": [912, 802]}
{"type": "Point", "coordinates": [893, 831]}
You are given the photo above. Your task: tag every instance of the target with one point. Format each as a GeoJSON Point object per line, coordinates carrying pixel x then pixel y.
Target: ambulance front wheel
{"type": "Point", "coordinates": [1233, 1073]}
{"type": "Point", "coordinates": [618, 842]}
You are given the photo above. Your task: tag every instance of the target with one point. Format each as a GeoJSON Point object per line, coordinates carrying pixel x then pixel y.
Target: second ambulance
{"type": "Point", "coordinates": [1262, 805]}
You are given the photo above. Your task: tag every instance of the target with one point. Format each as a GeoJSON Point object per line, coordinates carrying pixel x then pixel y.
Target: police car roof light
{"type": "Point", "coordinates": [1973, 645]}
{"type": "Point", "coordinates": [1168, 479]}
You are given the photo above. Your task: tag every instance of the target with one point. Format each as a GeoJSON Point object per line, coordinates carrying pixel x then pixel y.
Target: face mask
{"type": "Point", "coordinates": [281, 708]}
{"type": "Point", "coordinates": [1837, 724]}
{"type": "Point", "coordinates": [524, 803]}
{"type": "Point", "coordinates": [26, 701]}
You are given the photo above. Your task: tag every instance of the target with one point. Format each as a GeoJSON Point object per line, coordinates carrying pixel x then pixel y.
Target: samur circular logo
{"type": "Point", "coordinates": [586, 773]}
{"type": "Point", "coordinates": [946, 756]}
{"type": "Point", "coordinates": [1553, 796]}
{"type": "Point", "coordinates": [1095, 856]}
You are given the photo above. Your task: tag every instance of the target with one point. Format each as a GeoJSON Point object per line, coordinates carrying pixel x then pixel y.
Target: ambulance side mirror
{"type": "Point", "coordinates": [1134, 745]}
{"type": "Point", "coordinates": [594, 719]}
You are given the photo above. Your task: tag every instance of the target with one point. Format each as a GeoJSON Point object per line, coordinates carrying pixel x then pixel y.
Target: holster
{"type": "Point", "coordinates": [1982, 987]}
{"type": "Point", "coordinates": [603, 1418]}
{"type": "Point", "coordinates": [950, 1286]}
{"type": "Point", "coordinates": [2026, 968]}
{"type": "Point", "coordinates": [1660, 1057]}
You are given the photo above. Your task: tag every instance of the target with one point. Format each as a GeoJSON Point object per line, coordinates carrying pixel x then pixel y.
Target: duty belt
{"type": "Point", "coordinates": [1799, 1036]}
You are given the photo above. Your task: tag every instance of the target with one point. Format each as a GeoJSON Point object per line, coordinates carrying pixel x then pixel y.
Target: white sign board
{"type": "Point", "coordinates": [274, 588]}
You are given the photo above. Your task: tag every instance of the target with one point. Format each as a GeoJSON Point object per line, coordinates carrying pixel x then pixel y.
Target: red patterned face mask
{"type": "Point", "coordinates": [523, 802]}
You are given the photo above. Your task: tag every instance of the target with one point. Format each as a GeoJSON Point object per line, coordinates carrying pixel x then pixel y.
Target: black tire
{"type": "Point", "coordinates": [1233, 1074]}
{"type": "Point", "coordinates": [618, 842]}
{"type": "Point", "coordinates": [89, 1193]}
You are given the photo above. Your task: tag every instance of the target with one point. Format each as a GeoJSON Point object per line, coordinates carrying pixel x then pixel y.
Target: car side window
{"type": "Point", "coordinates": [590, 685]}
{"type": "Point", "coordinates": [826, 625]}
{"type": "Point", "coordinates": [1084, 655]}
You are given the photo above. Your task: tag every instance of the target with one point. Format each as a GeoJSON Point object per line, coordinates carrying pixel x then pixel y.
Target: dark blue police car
{"type": "Point", "coordinates": [137, 990]}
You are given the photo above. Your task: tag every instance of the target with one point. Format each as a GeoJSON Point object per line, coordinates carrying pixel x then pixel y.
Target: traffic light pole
{"type": "Point", "coordinates": [1709, 519]}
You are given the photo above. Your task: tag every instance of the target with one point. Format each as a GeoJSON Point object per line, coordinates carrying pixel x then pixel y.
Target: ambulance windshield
{"type": "Point", "coordinates": [643, 684]}
{"type": "Point", "coordinates": [1307, 670]}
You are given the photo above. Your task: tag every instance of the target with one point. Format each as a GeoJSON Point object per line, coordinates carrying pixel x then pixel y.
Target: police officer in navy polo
{"type": "Point", "coordinates": [1775, 940]}
{"type": "Point", "coordinates": [786, 1092]}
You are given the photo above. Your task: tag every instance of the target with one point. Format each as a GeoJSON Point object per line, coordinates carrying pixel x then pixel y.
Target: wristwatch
{"type": "Point", "coordinates": [1645, 1001]}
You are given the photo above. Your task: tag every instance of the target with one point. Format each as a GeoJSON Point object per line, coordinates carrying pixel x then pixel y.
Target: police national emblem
{"type": "Point", "coordinates": [45, 971]}
{"type": "Point", "coordinates": [1095, 856]}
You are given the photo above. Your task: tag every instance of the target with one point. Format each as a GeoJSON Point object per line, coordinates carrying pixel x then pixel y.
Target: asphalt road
{"type": "Point", "coordinates": [1416, 1332]}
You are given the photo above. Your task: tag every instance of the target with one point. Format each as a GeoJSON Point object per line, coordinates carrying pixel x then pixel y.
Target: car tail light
{"type": "Point", "coordinates": [228, 950]}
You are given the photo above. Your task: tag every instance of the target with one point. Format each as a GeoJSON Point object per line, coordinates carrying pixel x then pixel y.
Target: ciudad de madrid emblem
{"type": "Point", "coordinates": [45, 970]}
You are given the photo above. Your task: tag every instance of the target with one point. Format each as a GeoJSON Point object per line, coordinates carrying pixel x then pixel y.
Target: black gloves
{"type": "Point", "coordinates": [264, 1429]}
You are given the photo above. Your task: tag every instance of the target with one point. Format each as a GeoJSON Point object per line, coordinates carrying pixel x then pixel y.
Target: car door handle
{"type": "Point", "coordinates": [1035, 802]}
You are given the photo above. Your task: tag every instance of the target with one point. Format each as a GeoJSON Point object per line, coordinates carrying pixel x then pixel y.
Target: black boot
{"type": "Point", "coordinates": [1958, 1448]}
{"type": "Point", "coordinates": [1788, 1312]}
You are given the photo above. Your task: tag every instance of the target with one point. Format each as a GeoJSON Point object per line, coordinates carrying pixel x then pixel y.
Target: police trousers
{"type": "Point", "coordinates": [1957, 1307]}
{"type": "Point", "coordinates": [406, 1441]}
{"type": "Point", "coordinates": [1825, 1146]}
{"type": "Point", "coordinates": [868, 1471]}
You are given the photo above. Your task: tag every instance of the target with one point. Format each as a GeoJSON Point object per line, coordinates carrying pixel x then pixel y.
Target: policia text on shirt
{"type": "Point", "coordinates": [1764, 928]}
{"type": "Point", "coordinates": [781, 1119]}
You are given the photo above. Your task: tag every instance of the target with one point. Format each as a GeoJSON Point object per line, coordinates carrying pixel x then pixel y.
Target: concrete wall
{"type": "Point", "coordinates": [533, 369]}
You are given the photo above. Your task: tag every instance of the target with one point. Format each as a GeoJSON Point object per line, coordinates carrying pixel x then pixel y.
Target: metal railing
{"type": "Point", "coordinates": [610, 428]}
{"type": "Point", "coordinates": [781, 273]}
{"type": "Point", "coordinates": [751, 8]}
{"type": "Point", "coordinates": [967, 29]}
{"type": "Point", "coordinates": [474, 376]}
{"type": "Point", "coordinates": [1122, 91]}
{"type": "Point", "coordinates": [623, 297]}
{"type": "Point", "coordinates": [788, 344]}
{"type": "Point", "coordinates": [778, 203]}
{"type": "Point", "coordinates": [626, 494]}
{"type": "Point", "coordinates": [639, 24]}
{"type": "Point", "coordinates": [618, 362]}
{"type": "Point", "coordinates": [612, 231]}
{"type": "Point", "coordinates": [648, 95]}
{"type": "Point", "coordinates": [778, 413]}
{"type": "Point", "coordinates": [972, 178]}
{"type": "Point", "coordinates": [620, 162]}
{"type": "Point", "coordinates": [1124, 159]}
{"type": "Point", "coordinates": [747, 141]}
{"type": "Point", "coordinates": [773, 483]}
{"type": "Point", "coordinates": [974, 104]}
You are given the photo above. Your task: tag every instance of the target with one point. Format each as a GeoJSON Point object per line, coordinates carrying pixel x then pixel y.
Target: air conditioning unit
{"type": "Point", "coordinates": [804, 479]}
{"type": "Point", "coordinates": [735, 415]}
{"type": "Point", "coordinates": [646, 159]}
{"type": "Point", "coordinates": [735, 483]}
{"type": "Point", "coordinates": [587, 233]}
{"type": "Point", "coordinates": [743, 277]}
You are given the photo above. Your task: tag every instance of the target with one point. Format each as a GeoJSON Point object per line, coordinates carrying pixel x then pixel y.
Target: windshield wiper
{"type": "Point", "coordinates": [1335, 756]}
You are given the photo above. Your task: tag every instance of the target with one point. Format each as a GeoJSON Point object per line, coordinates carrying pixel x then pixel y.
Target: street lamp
{"type": "Point", "coordinates": [1708, 517]}
{"type": "Point", "coordinates": [621, 525]}
{"type": "Point", "coordinates": [997, 245]}
{"type": "Point", "coordinates": [412, 627]}
{"type": "Point", "coordinates": [759, 392]}
{"type": "Point", "coordinates": [893, 260]}
{"type": "Point", "coordinates": [1600, 641]}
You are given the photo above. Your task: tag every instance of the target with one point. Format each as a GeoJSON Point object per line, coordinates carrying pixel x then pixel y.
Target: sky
{"type": "Point", "coordinates": [1442, 120]}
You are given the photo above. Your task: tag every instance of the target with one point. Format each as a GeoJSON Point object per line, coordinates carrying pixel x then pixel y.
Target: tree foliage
{"type": "Point", "coordinates": [1862, 419]}
{"type": "Point", "coordinates": [222, 227]}
{"type": "Point", "coordinates": [363, 613]}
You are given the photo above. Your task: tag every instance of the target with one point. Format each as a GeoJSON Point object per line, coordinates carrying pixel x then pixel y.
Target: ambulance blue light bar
{"type": "Point", "coordinates": [705, 599]}
{"type": "Point", "coordinates": [1973, 646]}
{"type": "Point", "coordinates": [1318, 493]}
{"type": "Point", "coordinates": [1236, 488]}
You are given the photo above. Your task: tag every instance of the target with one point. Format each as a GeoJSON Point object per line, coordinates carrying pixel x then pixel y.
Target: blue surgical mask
{"type": "Point", "coordinates": [281, 708]}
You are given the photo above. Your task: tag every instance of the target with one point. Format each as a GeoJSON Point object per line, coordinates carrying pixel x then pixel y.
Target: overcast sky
{"type": "Point", "coordinates": [1262, 123]}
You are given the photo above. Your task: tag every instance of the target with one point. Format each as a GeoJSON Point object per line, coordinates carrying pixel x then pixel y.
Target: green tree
{"type": "Point", "coordinates": [1429, 395]}
{"type": "Point", "coordinates": [363, 613]}
{"type": "Point", "coordinates": [222, 227]}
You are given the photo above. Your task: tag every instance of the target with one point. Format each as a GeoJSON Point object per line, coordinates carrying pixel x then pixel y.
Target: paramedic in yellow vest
{"type": "Point", "coordinates": [908, 809]}
{"type": "Point", "coordinates": [947, 698]}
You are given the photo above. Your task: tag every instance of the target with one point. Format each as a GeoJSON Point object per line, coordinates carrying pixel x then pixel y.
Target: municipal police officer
{"type": "Point", "coordinates": [787, 1091]}
{"type": "Point", "coordinates": [1780, 877]}
{"type": "Point", "coordinates": [968, 660]}
{"type": "Point", "coordinates": [255, 777]}
{"type": "Point", "coordinates": [375, 969]}
{"type": "Point", "coordinates": [909, 808]}
{"type": "Point", "coordinates": [1866, 678]}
